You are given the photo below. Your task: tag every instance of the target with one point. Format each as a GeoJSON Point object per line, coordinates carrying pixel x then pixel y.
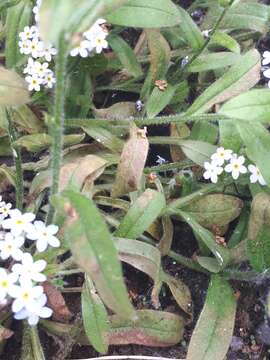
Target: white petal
{"type": "Point", "coordinates": [53, 241]}
{"type": "Point", "coordinates": [39, 225]}
{"type": "Point", "coordinates": [45, 312]}
{"type": "Point", "coordinates": [33, 320]}
{"type": "Point", "coordinates": [252, 168]}
{"type": "Point", "coordinates": [214, 178]}
{"type": "Point", "coordinates": [15, 214]}
{"type": "Point", "coordinates": [7, 224]}
{"type": "Point", "coordinates": [37, 291]}
{"type": "Point", "coordinates": [27, 259]}
{"type": "Point", "coordinates": [39, 265]}
{"type": "Point", "coordinates": [52, 229]}
{"type": "Point", "coordinates": [17, 254]}
{"type": "Point", "coordinates": [19, 241]}
{"type": "Point", "coordinates": [243, 169]}
{"type": "Point", "coordinates": [207, 175]}
{"type": "Point", "coordinates": [3, 294]}
{"type": "Point", "coordinates": [17, 305]}
{"type": "Point", "coordinates": [253, 178]}
{"type": "Point", "coordinates": [38, 277]}
{"type": "Point", "coordinates": [228, 168]}
{"type": "Point", "coordinates": [41, 245]}
{"type": "Point", "coordinates": [14, 291]}
{"type": "Point", "coordinates": [13, 277]}
{"type": "Point", "coordinates": [262, 181]}
{"type": "Point", "coordinates": [17, 268]}
{"type": "Point", "coordinates": [266, 73]}
{"type": "Point", "coordinates": [235, 174]}
{"type": "Point", "coordinates": [22, 314]}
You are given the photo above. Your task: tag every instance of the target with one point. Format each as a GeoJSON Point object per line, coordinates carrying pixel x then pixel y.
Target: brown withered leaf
{"type": "Point", "coordinates": [132, 162]}
{"type": "Point", "coordinates": [121, 110]}
{"type": "Point", "coordinates": [57, 303]}
{"type": "Point", "coordinates": [5, 333]}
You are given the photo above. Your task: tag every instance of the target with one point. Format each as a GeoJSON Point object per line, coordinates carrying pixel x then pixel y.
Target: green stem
{"type": "Point", "coordinates": [31, 346]}
{"type": "Point", "coordinates": [57, 124]}
{"type": "Point", "coordinates": [18, 162]}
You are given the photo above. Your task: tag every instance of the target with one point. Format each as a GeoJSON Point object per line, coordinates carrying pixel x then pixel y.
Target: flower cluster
{"type": "Point", "coordinates": [94, 40]}
{"type": "Point", "coordinates": [20, 285]}
{"type": "Point", "coordinates": [266, 61]}
{"type": "Point", "coordinates": [226, 160]}
{"type": "Point", "coordinates": [37, 71]}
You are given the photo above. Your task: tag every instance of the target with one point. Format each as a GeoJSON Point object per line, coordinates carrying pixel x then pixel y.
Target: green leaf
{"type": "Point", "coordinates": [204, 131]}
{"type": "Point", "coordinates": [215, 210]}
{"type": "Point", "coordinates": [126, 55]}
{"type": "Point", "coordinates": [93, 249]}
{"type": "Point", "coordinates": [57, 16]}
{"type": "Point", "coordinates": [197, 151]}
{"type": "Point", "coordinates": [95, 317]}
{"type": "Point", "coordinates": [226, 41]}
{"type": "Point", "coordinates": [204, 235]}
{"type": "Point", "coordinates": [153, 328]}
{"type": "Point", "coordinates": [240, 77]}
{"type": "Point", "coordinates": [213, 332]}
{"type": "Point", "coordinates": [141, 214]}
{"type": "Point", "coordinates": [27, 120]}
{"type": "Point", "coordinates": [18, 17]}
{"type": "Point", "coordinates": [240, 231]}
{"type": "Point", "coordinates": [190, 30]}
{"type": "Point", "coordinates": [140, 255]}
{"type": "Point", "coordinates": [158, 100]}
{"type": "Point", "coordinates": [229, 135]}
{"type": "Point", "coordinates": [259, 250]}
{"type": "Point", "coordinates": [13, 89]}
{"type": "Point", "coordinates": [253, 105]}
{"type": "Point", "coordinates": [153, 14]}
{"type": "Point", "coordinates": [132, 162]}
{"type": "Point", "coordinates": [257, 141]}
{"type": "Point", "coordinates": [213, 61]}
{"type": "Point", "coordinates": [105, 138]}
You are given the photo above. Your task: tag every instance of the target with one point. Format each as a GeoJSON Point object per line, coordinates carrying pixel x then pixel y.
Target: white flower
{"type": "Point", "coordinates": [34, 82]}
{"type": "Point", "coordinates": [212, 171]}
{"type": "Point", "coordinates": [82, 49]}
{"type": "Point", "coordinates": [33, 315]}
{"type": "Point", "coordinates": [266, 73]}
{"type": "Point", "coordinates": [48, 52]}
{"type": "Point", "coordinates": [160, 160]}
{"type": "Point", "coordinates": [256, 175]}
{"type": "Point", "coordinates": [100, 42]}
{"type": "Point", "coordinates": [5, 209]}
{"type": "Point", "coordinates": [44, 235]}
{"type": "Point", "coordinates": [28, 33]}
{"type": "Point", "coordinates": [49, 79]}
{"type": "Point", "coordinates": [29, 69]}
{"type": "Point", "coordinates": [236, 167]}
{"type": "Point", "coordinates": [36, 48]}
{"type": "Point", "coordinates": [6, 283]}
{"type": "Point", "coordinates": [18, 222]}
{"type": "Point", "coordinates": [30, 269]}
{"type": "Point", "coordinates": [25, 295]}
{"type": "Point", "coordinates": [40, 69]}
{"type": "Point", "coordinates": [206, 33]}
{"type": "Point", "coordinates": [266, 58]}
{"type": "Point", "coordinates": [11, 247]}
{"type": "Point", "coordinates": [25, 47]}
{"type": "Point", "coordinates": [221, 155]}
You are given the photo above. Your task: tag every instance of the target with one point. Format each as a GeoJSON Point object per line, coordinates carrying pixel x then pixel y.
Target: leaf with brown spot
{"type": "Point", "coordinates": [131, 165]}
{"type": "Point", "coordinates": [153, 328]}
{"type": "Point", "coordinates": [13, 89]}
{"type": "Point", "coordinates": [166, 240]}
{"type": "Point", "coordinates": [57, 303]}
{"type": "Point", "coordinates": [5, 333]}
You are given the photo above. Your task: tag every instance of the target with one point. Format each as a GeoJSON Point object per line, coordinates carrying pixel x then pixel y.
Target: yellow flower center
{"type": "Point", "coordinates": [4, 284]}
{"type": "Point", "coordinates": [25, 296]}
{"type": "Point", "coordinates": [19, 222]}
{"type": "Point", "coordinates": [236, 166]}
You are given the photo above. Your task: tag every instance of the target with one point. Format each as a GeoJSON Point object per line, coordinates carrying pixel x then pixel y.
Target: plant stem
{"type": "Point", "coordinates": [18, 162]}
{"type": "Point", "coordinates": [56, 126]}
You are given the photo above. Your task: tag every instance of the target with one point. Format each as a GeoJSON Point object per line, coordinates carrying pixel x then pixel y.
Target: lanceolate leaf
{"type": "Point", "coordinates": [140, 255]}
{"type": "Point", "coordinates": [197, 151]}
{"type": "Point", "coordinates": [226, 41]}
{"type": "Point", "coordinates": [95, 318]}
{"type": "Point", "coordinates": [253, 105]}
{"type": "Point", "coordinates": [240, 77]}
{"type": "Point", "coordinates": [257, 141]}
{"type": "Point", "coordinates": [204, 235]}
{"type": "Point", "coordinates": [141, 214]}
{"type": "Point", "coordinates": [132, 161]}
{"type": "Point", "coordinates": [215, 209]}
{"type": "Point", "coordinates": [213, 61]}
{"type": "Point", "coordinates": [213, 332]}
{"type": "Point", "coordinates": [126, 55]}
{"type": "Point", "coordinates": [150, 14]}
{"type": "Point", "coordinates": [158, 100]}
{"type": "Point", "coordinates": [259, 249]}
{"type": "Point", "coordinates": [13, 89]}
{"type": "Point", "coordinates": [153, 328]}
{"type": "Point", "coordinates": [190, 30]}
{"type": "Point", "coordinates": [93, 249]}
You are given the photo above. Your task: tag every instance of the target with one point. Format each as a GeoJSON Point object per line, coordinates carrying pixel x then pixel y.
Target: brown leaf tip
{"type": "Point", "coordinates": [161, 84]}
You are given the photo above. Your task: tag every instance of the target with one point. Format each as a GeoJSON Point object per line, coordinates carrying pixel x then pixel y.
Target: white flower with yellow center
{"type": "Point", "coordinates": [212, 171]}
{"type": "Point", "coordinates": [28, 33]}
{"type": "Point", "coordinates": [25, 295]}
{"type": "Point", "coordinates": [6, 283]}
{"type": "Point", "coordinates": [49, 79]}
{"type": "Point", "coordinates": [30, 269]}
{"type": "Point", "coordinates": [25, 47]}
{"type": "Point", "coordinates": [256, 175]}
{"type": "Point", "coordinates": [33, 315]}
{"type": "Point", "coordinates": [221, 155]}
{"type": "Point", "coordinates": [44, 235]}
{"type": "Point", "coordinates": [236, 167]}
{"type": "Point", "coordinates": [18, 222]}
{"type": "Point", "coordinates": [100, 42]}
{"type": "Point", "coordinates": [10, 247]}
{"type": "Point", "coordinates": [36, 48]}
{"type": "Point", "coordinates": [34, 82]}
{"type": "Point", "coordinates": [5, 209]}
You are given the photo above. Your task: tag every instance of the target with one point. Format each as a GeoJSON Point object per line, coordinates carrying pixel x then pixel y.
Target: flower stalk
{"type": "Point", "coordinates": [56, 126]}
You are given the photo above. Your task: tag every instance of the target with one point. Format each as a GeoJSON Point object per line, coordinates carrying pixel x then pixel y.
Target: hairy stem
{"type": "Point", "coordinates": [17, 161]}
{"type": "Point", "coordinates": [56, 126]}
